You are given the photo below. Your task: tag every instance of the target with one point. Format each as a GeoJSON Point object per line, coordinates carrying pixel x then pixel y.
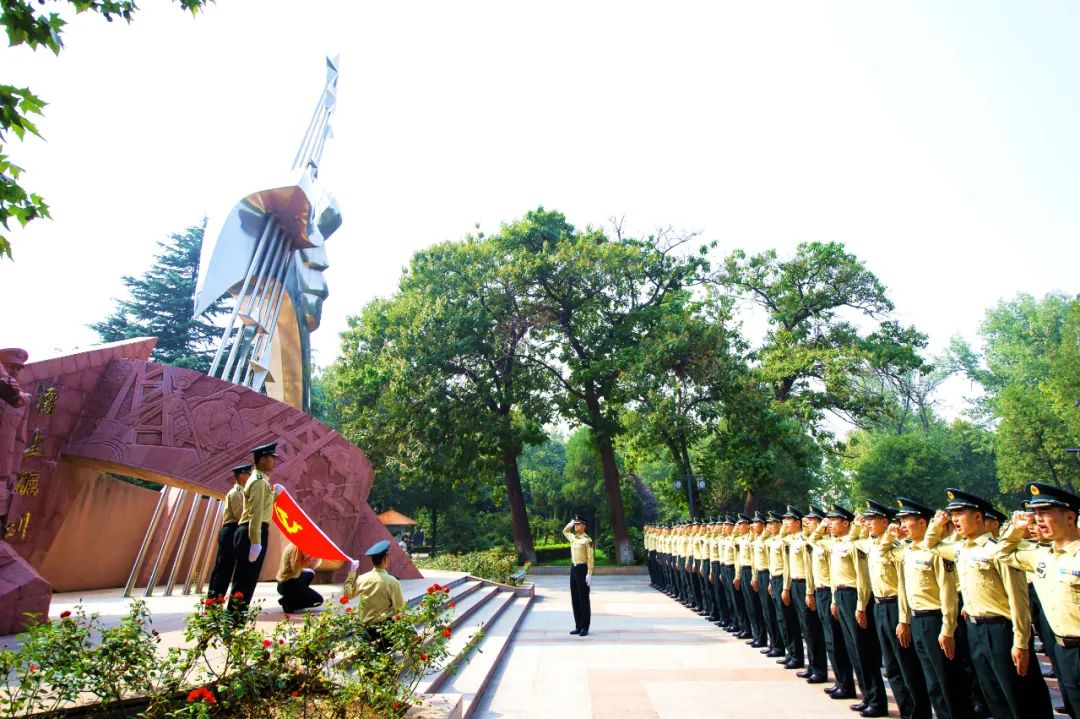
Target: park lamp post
{"type": "Point", "coordinates": [690, 480]}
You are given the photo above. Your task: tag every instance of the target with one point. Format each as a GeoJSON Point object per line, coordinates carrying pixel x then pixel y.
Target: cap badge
{"type": "Point", "coordinates": [1034, 490]}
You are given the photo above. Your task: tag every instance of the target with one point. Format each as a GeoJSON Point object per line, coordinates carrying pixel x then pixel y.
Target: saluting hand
{"type": "Point", "coordinates": [941, 518]}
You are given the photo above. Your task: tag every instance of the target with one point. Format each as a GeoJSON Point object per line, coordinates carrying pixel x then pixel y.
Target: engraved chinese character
{"type": "Point", "coordinates": [19, 528]}
{"type": "Point", "coordinates": [46, 400]}
{"type": "Point", "coordinates": [26, 483]}
{"type": "Point", "coordinates": [34, 448]}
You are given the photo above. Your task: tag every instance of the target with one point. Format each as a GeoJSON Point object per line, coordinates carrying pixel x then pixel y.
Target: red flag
{"type": "Point", "coordinates": [301, 531]}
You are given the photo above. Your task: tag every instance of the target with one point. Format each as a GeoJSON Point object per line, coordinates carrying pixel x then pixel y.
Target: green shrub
{"type": "Point", "coordinates": [496, 565]}
{"type": "Point", "coordinates": [551, 552]}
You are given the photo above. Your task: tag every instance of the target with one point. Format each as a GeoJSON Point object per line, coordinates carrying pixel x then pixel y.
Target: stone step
{"type": "Point", "coordinates": [480, 666]}
{"type": "Point", "coordinates": [473, 601]}
{"type": "Point", "coordinates": [455, 585]}
{"type": "Point", "coordinates": [479, 619]}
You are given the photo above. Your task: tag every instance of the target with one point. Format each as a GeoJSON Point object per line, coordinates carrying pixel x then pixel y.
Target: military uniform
{"type": "Point", "coordinates": [1056, 570]}
{"type": "Point", "coordinates": [253, 531]}
{"type": "Point", "coordinates": [379, 592]}
{"type": "Point", "coordinates": [851, 595]}
{"type": "Point", "coordinates": [819, 586]}
{"type": "Point", "coordinates": [738, 623]}
{"type": "Point", "coordinates": [294, 582]}
{"type": "Point", "coordinates": [225, 562]}
{"type": "Point", "coordinates": [786, 619]}
{"type": "Point", "coordinates": [761, 572]}
{"type": "Point", "coordinates": [721, 613]}
{"type": "Point", "coordinates": [998, 619]}
{"type": "Point", "coordinates": [796, 571]}
{"type": "Point", "coordinates": [744, 568]}
{"type": "Point", "coordinates": [901, 663]}
{"type": "Point", "coordinates": [581, 569]}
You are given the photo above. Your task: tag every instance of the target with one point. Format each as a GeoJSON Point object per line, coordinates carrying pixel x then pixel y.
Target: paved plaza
{"type": "Point", "coordinates": [646, 656]}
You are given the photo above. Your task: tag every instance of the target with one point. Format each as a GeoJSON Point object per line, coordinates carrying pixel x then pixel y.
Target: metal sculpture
{"type": "Point", "coordinates": [270, 255]}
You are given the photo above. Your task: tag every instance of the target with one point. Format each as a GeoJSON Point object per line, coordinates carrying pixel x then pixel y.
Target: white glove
{"type": "Point", "coordinates": [354, 564]}
{"type": "Point", "coordinates": [278, 489]}
{"type": "Point", "coordinates": [588, 580]}
{"type": "Point", "coordinates": [254, 552]}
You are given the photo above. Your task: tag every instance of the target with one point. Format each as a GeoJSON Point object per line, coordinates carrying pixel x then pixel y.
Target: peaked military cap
{"type": "Point", "coordinates": [964, 500]}
{"type": "Point", "coordinates": [741, 518]}
{"type": "Point", "coordinates": [265, 450]}
{"type": "Point", "coordinates": [727, 519]}
{"type": "Point", "coordinates": [792, 513]}
{"type": "Point", "coordinates": [579, 520]}
{"type": "Point", "coordinates": [772, 516]}
{"type": "Point", "coordinates": [243, 469]}
{"type": "Point", "coordinates": [840, 513]}
{"type": "Point", "coordinates": [380, 547]}
{"type": "Point", "coordinates": [758, 517]}
{"type": "Point", "coordinates": [815, 512]}
{"type": "Point", "coordinates": [1047, 495]}
{"type": "Point", "coordinates": [992, 513]}
{"type": "Point", "coordinates": [877, 509]}
{"type": "Point", "coordinates": [911, 508]}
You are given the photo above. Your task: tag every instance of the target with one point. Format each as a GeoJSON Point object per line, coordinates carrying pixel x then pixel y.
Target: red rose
{"type": "Point", "coordinates": [348, 609]}
{"type": "Point", "coordinates": [65, 614]}
{"type": "Point", "coordinates": [209, 601]}
{"type": "Point", "coordinates": [344, 599]}
{"type": "Point", "coordinates": [446, 631]}
{"type": "Point", "coordinates": [453, 604]}
{"type": "Point", "coordinates": [280, 641]}
{"type": "Point", "coordinates": [193, 695]}
{"type": "Point", "coordinates": [267, 642]}
{"type": "Point", "coordinates": [209, 696]}
{"type": "Point", "coordinates": [33, 667]}
{"type": "Point", "coordinates": [221, 600]}
{"type": "Point", "coordinates": [423, 657]}
{"type": "Point", "coordinates": [294, 693]}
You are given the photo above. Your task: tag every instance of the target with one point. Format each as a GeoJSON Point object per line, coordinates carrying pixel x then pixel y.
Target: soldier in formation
{"type": "Point", "coordinates": [940, 602]}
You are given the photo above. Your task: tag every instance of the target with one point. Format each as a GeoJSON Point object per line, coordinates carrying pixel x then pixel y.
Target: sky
{"type": "Point", "coordinates": [936, 141]}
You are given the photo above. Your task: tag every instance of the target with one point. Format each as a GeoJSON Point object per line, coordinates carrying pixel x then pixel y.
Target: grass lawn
{"type": "Point", "coordinates": [600, 559]}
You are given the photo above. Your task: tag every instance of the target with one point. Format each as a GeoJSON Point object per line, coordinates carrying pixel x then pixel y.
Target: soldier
{"type": "Point", "coordinates": [998, 613]}
{"type": "Point", "coordinates": [721, 613]}
{"type": "Point", "coordinates": [581, 569]}
{"type": "Point", "coordinates": [650, 553]}
{"type": "Point", "coordinates": [851, 597]}
{"type": "Point", "coordinates": [893, 629]}
{"type": "Point", "coordinates": [738, 624]}
{"type": "Point", "coordinates": [790, 636]}
{"type": "Point", "coordinates": [795, 593]}
{"type": "Point", "coordinates": [928, 611]}
{"type": "Point", "coordinates": [745, 581]}
{"type": "Point", "coordinates": [1056, 567]}
{"type": "Point", "coordinates": [225, 563]}
{"type": "Point", "coordinates": [819, 601]}
{"type": "Point", "coordinates": [252, 533]}
{"type": "Point", "coordinates": [994, 520]}
{"type": "Point", "coordinates": [775, 646]}
{"type": "Point", "coordinates": [379, 591]}
{"type": "Point", "coordinates": [697, 579]}
{"type": "Point", "coordinates": [295, 574]}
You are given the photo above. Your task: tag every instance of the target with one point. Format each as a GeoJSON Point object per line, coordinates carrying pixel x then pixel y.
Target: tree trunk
{"type": "Point", "coordinates": [624, 551]}
{"type": "Point", "coordinates": [519, 518]}
{"type": "Point", "coordinates": [750, 503]}
{"type": "Point", "coordinates": [434, 528]}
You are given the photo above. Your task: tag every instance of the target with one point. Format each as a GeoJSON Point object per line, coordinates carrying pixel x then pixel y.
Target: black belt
{"type": "Point", "coordinates": [988, 620]}
{"type": "Point", "coordinates": [798, 579]}
{"type": "Point", "coordinates": [885, 600]}
{"type": "Point", "coordinates": [1068, 642]}
{"type": "Point", "coordinates": [925, 612]}
{"type": "Point", "coordinates": [843, 586]}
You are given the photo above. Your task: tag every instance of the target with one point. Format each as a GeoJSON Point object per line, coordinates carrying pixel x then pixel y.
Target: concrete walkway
{"type": "Point", "coordinates": [646, 656]}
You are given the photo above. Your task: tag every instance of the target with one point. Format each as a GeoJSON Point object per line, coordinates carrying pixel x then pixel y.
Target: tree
{"type": "Point", "coordinates": [161, 305]}
{"type": "Point", "coordinates": [915, 465]}
{"type": "Point", "coordinates": [829, 333]}
{"type": "Point", "coordinates": [26, 26]}
{"type": "Point", "coordinates": [599, 297]}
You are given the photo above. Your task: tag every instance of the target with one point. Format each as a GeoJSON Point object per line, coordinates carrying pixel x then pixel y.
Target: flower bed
{"type": "Point", "coordinates": [328, 665]}
{"type": "Point", "coordinates": [496, 565]}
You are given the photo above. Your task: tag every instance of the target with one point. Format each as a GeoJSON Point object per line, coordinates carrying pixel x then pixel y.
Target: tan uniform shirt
{"type": "Point", "coordinates": [380, 594]}
{"type": "Point", "coordinates": [761, 554]}
{"type": "Point", "coordinates": [1056, 578]}
{"type": "Point", "coordinates": [990, 587]}
{"type": "Point", "coordinates": [820, 546]}
{"type": "Point", "coordinates": [234, 505]}
{"type": "Point", "coordinates": [744, 552]}
{"type": "Point", "coordinates": [847, 568]}
{"type": "Point", "coordinates": [258, 504]}
{"type": "Point", "coordinates": [291, 565]}
{"type": "Point", "coordinates": [777, 557]}
{"type": "Point", "coordinates": [798, 564]}
{"type": "Point", "coordinates": [929, 583]}
{"type": "Point", "coordinates": [883, 570]}
{"type": "Point", "coordinates": [581, 547]}
{"type": "Point", "coordinates": [727, 549]}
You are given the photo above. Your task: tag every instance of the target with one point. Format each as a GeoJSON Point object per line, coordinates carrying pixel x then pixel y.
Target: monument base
{"type": "Point", "coordinates": [22, 592]}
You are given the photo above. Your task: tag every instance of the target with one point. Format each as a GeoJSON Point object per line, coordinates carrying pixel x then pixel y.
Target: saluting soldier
{"type": "Point", "coordinates": [790, 636]}
{"type": "Point", "coordinates": [929, 606]}
{"type": "Point", "coordinates": [379, 591]}
{"type": "Point", "coordinates": [225, 563]}
{"type": "Point", "coordinates": [745, 581]}
{"type": "Point", "coordinates": [997, 609]}
{"type": "Point", "coordinates": [761, 586]}
{"type": "Point", "coordinates": [1056, 568]}
{"type": "Point", "coordinates": [893, 627]}
{"type": "Point", "coordinates": [851, 599]}
{"type": "Point", "coordinates": [252, 533]}
{"type": "Point", "coordinates": [819, 600]}
{"type": "Point", "coordinates": [581, 569]}
{"type": "Point", "coordinates": [798, 568]}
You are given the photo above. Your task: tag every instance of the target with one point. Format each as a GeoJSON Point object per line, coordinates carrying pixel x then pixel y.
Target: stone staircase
{"type": "Point", "coordinates": [494, 609]}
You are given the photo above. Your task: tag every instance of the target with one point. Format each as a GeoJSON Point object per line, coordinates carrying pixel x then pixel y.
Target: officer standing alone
{"type": "Point", "coordinates": [581, 560]}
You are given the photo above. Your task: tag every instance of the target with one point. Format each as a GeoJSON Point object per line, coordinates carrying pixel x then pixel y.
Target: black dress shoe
{"type": "Point", "coordinates": [744, 635]}
{"type": "Point", "coordinates": [1061, 710]}
{"type": "Point", "coordinates": [775, 653]}
{"type": "Point", "coordinates": [794, 665]}
{"type": "Point", "coordinates": [758, 645]}
{"type": "Point", "coordinates": [576, 631]}
{"type": "Point", "coordinates": [766, 650]}
{"type": "Point", "coordinates": [858, 707]}
{"type": "Point", "coordinates": [817, 679]}
{"type": "Point", "coordinates": [842, 694]}
{"type": "Point", "coordinates": [874, 713]}
{"type": "Point", "coordinates": [833, 689]}
{"type": "Point", "coordinates": [782, 662]}
{"type": "Point", "coordinates": [584, 632]}
{"type": "Point", "coordinates": [805, 674]}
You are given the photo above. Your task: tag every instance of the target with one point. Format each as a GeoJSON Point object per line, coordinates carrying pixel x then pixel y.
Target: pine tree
{"type": "Point", "coordinates": [161, 305]}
